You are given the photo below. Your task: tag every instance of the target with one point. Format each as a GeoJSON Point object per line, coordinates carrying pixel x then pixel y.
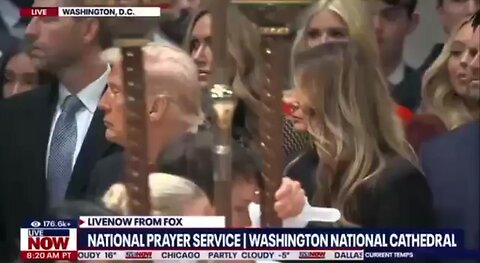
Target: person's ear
{"type": "Point", "coordinates": [90, 29]}
{"type": "Point", "coordinates": [442, 16]}
{"type": "Point", "coordinates": [414, 21]}
{"type": "Point", "coordinates": [158, 108]}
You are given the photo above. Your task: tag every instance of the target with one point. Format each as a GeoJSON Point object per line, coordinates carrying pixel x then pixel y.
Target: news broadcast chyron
{"type": "Point", "coordinates": [205, 238]}
{"type": "Point", "coordinates": [92, 11]}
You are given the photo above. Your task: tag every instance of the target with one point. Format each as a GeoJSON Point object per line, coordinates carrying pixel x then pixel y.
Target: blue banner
{"type": "Point", "coordinates": [265, 239]}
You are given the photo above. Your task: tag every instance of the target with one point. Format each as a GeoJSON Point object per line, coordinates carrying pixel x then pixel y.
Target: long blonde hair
{"type": "Point", "coordinates": [355, 15]}
{"type": "Point", "coordinates": [169, 195]}
{"type": "Point", "coordinates": [351, 116]}
{"type": "Point", "coordinates": [438, 94]}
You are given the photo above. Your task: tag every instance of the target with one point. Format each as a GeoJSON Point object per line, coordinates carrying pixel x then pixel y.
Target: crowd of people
{"type": "Point", "coordinates": [386, 144]}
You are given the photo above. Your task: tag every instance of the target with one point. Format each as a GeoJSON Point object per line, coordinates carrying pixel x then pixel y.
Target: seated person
{"type": "Point", "coordinates": [450, 90]}
{"type": "Point", "coordinates": [368, 170]}
{"type": "Point", "coordinates": [173, 101]}
{"type": "Point", "coordinates": [170, 195]}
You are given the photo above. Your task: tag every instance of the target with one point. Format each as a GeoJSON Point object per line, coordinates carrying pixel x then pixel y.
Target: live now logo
{"type": "Point", "coordinates": [48, 239]}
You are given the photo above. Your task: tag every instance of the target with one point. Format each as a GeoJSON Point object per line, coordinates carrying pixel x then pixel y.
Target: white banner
{"type": "Point", "coordinates": [152, 222]}
{"type": "Point", "coordinates": [186, 255]}
{"type": "Point", "coordinates": [109, 11]}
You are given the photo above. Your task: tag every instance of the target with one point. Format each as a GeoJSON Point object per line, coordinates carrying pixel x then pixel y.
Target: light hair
{"type": "Point", "coordinates": [169, 71]}
{"type": "Point", "coordinates": [246, 68]}
{"type": "Point", "coordinates": [438, 94]}
{"type": "Point", "coordinates": [361, 124]}
{"type": "Point", "coordinates": [170, 195]}
{"type": "Point", "coordinates": [355, 15]}
{"type": "Point", "coordinates": [351, 116]}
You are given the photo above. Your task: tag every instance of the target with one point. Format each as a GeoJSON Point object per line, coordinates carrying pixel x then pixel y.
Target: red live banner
{"type": "Point", "coordinates": [39, 11]}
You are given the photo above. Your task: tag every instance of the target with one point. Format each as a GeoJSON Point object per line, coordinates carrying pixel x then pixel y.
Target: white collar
{"type": "Point", "coordinates": [9, 13]}
{"type": "Point", "coordinates": [91, 94]}
{"type": "Point", "coordinates": [398, 74]}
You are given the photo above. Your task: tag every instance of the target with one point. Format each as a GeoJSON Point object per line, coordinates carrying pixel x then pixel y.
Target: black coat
{"type": "Point", "coordinates": [25, 129]}
{"type": "Point", "coordinates": [408, 93]}
{"type": "Point", "coordinates": [451, 163]}
{"type": "Point", "coordinates": [401, 196]}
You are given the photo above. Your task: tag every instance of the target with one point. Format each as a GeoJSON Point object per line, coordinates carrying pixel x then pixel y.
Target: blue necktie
{"type": "Point", "coordinates": [62, 149]}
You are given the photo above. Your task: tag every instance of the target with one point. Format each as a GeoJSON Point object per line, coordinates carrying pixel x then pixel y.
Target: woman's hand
{"type": "Point", "coordinates": [290, 199]}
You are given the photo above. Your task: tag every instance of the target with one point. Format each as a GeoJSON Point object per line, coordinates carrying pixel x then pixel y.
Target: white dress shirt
{"type": "Point", "coordinates": [397, 76]}
{"type": "Point", "coordinates": [90, 97]}
{"type": "Point", "coordinates": [10, 14]}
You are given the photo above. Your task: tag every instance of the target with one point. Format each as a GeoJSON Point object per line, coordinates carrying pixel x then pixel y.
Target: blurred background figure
{"type": "Point", "coordinates": [170, 195]}
{"type": "Point", "coordinates": [188, 5]}
{"type": "Point", "coordinates": [450, 95]}
{"type": "Point", "coordinates": [19, 73]}
{"type": "Point", "coordinates": [451, 13]}
{"type": "Point", "coordinates": [394, 21]}
{"type": "Point", "coordinates": [11, 24]}
{"type": "Point", "coordinates": [171, 26]}
{"type": "Point", "coordinates": [451, 90]}
{"type": "Point", "coordinates": [191, 156]}
{"type": "Point", "coordinates": [245, 74]}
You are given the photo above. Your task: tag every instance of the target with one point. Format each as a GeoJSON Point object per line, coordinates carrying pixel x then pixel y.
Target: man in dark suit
{"type": "Point", "coordinates": [174, 107]}
{"type": "Point", "coordinates": [51, 137]}
{"type": "Point", "coordinates": [451, 163]}
{"type": "Point", "coordinates": [394, 21]}
{"type": "Point", "coordinates": [450, 12]}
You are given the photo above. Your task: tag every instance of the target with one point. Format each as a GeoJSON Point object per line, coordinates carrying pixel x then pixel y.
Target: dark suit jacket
{"type": "Point", "coordinates": [408, 92]}
{"type": "Point", "coordinates": [436, 50]}
{"type": "Point", "coordinates": [106, 172]}
{"type": "Point", "coordinates": [452, 165]}
{"type": "Point", "coordinates": [25, 128]}
{"type": "Point", "coordinates": [400, 198]}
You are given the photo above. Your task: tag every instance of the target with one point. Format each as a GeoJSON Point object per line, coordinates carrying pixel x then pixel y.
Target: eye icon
{"type": "Point", "coordinates": [35, 224]}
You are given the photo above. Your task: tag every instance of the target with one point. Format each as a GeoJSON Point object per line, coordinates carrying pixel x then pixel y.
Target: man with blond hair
{"type": "Point", "coordinates": [173, 99]}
